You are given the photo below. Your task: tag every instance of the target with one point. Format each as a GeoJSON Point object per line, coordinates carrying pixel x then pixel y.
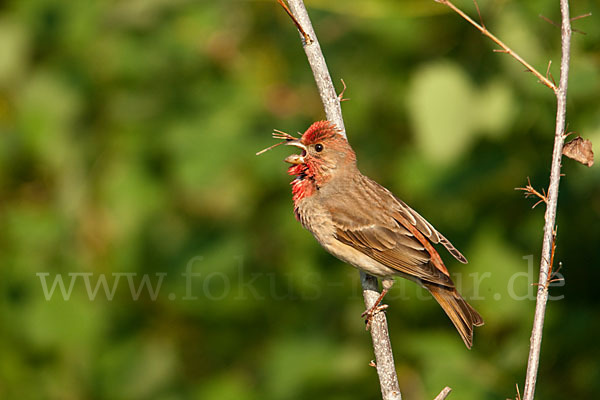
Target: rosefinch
{"type": "Point", "coordinates": [364, 224]}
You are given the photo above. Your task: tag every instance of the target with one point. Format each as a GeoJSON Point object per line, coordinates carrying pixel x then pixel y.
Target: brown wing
{"type": "Point", "coordinates": [427, 229]}
{"type": "Point", "coordinates": [395, 248]}
{"type": "Point", "coordinates": [397, 237]}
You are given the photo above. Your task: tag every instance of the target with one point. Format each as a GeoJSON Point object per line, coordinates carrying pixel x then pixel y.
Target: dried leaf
{"type": "Point", "coordinates": [580, 150]}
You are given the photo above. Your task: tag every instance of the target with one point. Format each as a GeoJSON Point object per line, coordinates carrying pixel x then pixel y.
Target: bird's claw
{"type": "Point", "coordinates": [369, 314]}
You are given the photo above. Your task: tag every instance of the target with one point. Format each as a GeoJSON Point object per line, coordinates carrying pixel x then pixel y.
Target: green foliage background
{"type": "Point", "coordinates": [127, 139]}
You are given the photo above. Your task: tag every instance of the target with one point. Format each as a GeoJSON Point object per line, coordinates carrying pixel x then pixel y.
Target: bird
{"type": "Point", "coordinates": [363, 224]}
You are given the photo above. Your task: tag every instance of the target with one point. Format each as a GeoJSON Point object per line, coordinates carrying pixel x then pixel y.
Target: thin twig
{"type": "Point", "coordinates": [548, 20]}
{"type": "Point", "coordinates": [479, 13]}
{"type": "Point", "coordinates": [382, 347]}
{"type": "Point", "coordinates": [552, 202]}
{"type": "Point", "coordinates": [280, 135]}
{"type": "Point", "coordinates": [307, 38]}
{"type": "Point", "coordinates": [531, 192]}
{"type": "Point", "coordinates": [341, 95]}
{"type": "Point", "coordinates": [551, 264]}
{"type": "Point", "coordinates": [552, 277]}
{"type": "Point", "coordinates": [581, 16]}
{"type": "Point", "coordinates": [549, 74]}
{"type": "Point", "coordinates": [505, 48]}
{"type": "Point", "coordinates": [551, 272]}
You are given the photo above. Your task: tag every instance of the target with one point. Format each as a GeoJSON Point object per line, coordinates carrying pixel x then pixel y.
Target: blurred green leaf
{"type": "Point", "coordinates": [441, 102]}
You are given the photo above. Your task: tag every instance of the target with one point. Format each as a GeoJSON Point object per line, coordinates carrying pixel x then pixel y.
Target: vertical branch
{"type": "Point", "coordinates": [382, 347]}
{"type": "Point", "coordinates": [551, 199]}
{"type": "Point", "coordinates": [384, 357]}
{"type": "Point", "coordinates": [550, 216]}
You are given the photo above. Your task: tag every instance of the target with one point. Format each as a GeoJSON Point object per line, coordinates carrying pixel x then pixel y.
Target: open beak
{"type": "Point", "coordinates": [296, 158]}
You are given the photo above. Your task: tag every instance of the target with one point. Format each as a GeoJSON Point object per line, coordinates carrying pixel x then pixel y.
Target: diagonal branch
{"type": "Point", "coordinates": [505, 48]}
{"type": "Point", "coordinates": [312, 48]}
{"type": "Point", "coordinates": [382, 347]}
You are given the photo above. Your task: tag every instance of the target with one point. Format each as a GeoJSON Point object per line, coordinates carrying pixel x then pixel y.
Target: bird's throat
{"type": "Point", "coordinates": [304, 184]}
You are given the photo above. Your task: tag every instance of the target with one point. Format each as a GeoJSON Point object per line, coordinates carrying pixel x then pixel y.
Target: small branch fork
{"type": "Point", "coordinates": [548, 20]}
{"type": "Point", "coordinates": [551, 273]}
{"type": "Point", "coordinates": [531, 192]}
{"type": "Point", "coordinates": [307, 39]}
{"type": "Point", "coordinates": [543, 198]}
{"type": "Point", "coordinates": [518, 392]}
{"type": "Point", "coordinates": [505, 49]}
{"type": "Point", "coordinates": [341, 95]}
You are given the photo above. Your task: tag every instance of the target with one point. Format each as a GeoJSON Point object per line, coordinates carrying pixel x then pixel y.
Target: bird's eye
{"type": "Point", "coordinates": [318, 147]}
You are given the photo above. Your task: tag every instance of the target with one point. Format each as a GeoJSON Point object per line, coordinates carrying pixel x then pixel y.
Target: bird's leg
{"type": "Point", "coordinates": [386, 284]}
{"type": "Point", "coordinates": [375, 309]}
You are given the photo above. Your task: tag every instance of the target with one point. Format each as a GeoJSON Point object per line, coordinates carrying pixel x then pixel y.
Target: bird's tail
{"type": "Point", "coordinates": [462, 315]}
